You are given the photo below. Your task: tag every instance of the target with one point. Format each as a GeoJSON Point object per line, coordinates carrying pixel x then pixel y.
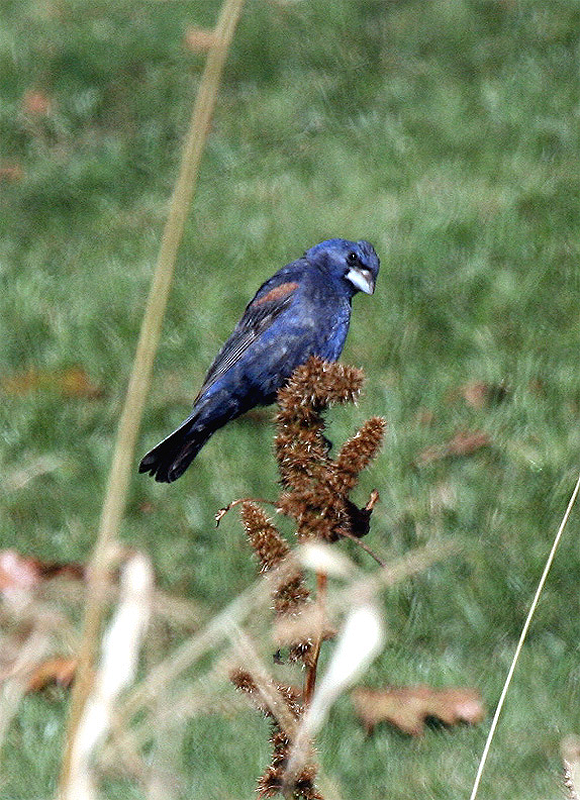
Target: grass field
{"type": "Point", "coordinates": [446, 133]}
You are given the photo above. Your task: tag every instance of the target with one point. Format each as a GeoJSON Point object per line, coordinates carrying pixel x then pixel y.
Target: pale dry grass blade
{"type": "Point", "coordinates": [129, 424]}
{"type": "Point", "coordinates": [164, 781]}
{"type": "Point", "coordinates": [183, 696]}
{"type": "Point", "coordinates": [217, 630]}
{"type": "Point", "coordinates": [120, 652]}
{"type": "Point", "coordinates": [273, 700]}
{"type": "Point", "coordinates": [522, 639]}
{"type": "Point", "coordinates": [360, 641]}
{"type": "Point", "coordinates": [320, 557]}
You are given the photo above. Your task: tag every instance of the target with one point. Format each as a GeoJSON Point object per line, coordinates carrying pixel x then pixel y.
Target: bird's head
{"type": "Point", "coordinates": [355, 263]}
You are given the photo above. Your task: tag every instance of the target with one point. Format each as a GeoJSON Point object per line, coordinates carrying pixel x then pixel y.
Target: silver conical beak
{"type": "Point", "coordinates": [362, 279]}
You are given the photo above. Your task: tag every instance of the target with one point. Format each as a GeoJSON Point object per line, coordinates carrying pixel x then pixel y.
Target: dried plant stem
{"type": "Point", "coordinates": [219, 515]}
{"type": "Point", "coordinates": [310, 677]}
{"type": "Point", "coordinates": [365, 547]}
{"type": "Point", "coordinates": [118, 665]}
{"type": "Point", "coordinates": [122, 465]}
{"type": "Point", "coordinates": [271, 696]}
{"type": "Point", "coordinates": [219, 629]}
{"type": "Point", "coordinates": [522, 639]}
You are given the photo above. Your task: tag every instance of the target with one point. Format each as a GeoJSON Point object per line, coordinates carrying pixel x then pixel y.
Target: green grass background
{"type": "Point", "coordinates": [445, 132]}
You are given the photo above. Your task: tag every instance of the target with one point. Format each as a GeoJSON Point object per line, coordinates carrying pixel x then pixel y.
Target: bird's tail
{"type": "Point", "coordinates": [168, 460]}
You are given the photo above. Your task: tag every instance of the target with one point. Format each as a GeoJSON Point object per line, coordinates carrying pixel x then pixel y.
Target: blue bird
{"type": "Point", "coordinates": [302, 310]}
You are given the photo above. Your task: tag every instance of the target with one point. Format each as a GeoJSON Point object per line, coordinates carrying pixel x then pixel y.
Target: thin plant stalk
{"type": "Point", "coordinates": [521, 641]}
{"type": "Point", "coordinates": [310, 677]}
{"type": "Point", "coordinates": [123, 458]}
{"type": "Point", "coordinates": [118, 665]}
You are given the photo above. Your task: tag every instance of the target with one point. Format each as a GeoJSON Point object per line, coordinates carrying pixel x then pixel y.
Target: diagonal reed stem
{"type": "Point", "coordinates": [122, 464]}
{"type": "Point", "coordinates": [522, 639]}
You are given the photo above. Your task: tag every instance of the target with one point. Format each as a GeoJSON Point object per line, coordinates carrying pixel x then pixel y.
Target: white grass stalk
{"type": "Point", "coordinates": [120, 652]}
{"type": "Point", "coordinates": [521, 641]}
{"type": "Point", "coordinates": [360, 642]}
{"type": "Point", "coordinates": [122, 465]}
{"type": "Point", "coordinates": [323, 558]}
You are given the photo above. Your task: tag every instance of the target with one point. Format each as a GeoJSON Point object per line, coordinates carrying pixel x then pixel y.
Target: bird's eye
{"type": "Point", "coordinates": [352, 259]}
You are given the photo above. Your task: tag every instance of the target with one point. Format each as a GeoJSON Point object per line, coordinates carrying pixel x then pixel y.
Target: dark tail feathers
{"type": "Point", "coordinates": [170, 458]}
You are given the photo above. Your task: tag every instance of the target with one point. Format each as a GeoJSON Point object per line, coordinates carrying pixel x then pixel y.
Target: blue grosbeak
{"type": "Point", "coordinates": [302, 310]}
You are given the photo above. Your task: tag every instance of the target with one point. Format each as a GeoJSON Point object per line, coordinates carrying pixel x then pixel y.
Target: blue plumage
{"type": "Point", "coordinates": [302, 310]}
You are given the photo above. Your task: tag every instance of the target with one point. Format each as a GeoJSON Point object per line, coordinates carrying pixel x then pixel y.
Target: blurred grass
{"type": "Point", "coordinates": [444, 132]}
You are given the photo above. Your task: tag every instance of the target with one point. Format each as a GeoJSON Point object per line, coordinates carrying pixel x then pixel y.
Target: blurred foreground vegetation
{"type": "Point", "coordinates": [447, 134]}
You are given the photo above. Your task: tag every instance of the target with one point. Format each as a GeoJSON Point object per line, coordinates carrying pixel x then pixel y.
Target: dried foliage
{"type": "Point", "coordinates": [19, 572]}
{"type": "Point", "coordinates": [316, 487]}
{"type": "Point", "coordinates": [57, 670]}
{"type": "Point", "coordinates": [408, 707]}
{"type": "Point", "coordinates": [271, 549]}
{"type": "Point", "coordinates": [315, 493]}
{"type": "Point", "coordinates": [462, 444]}
{"type": "Point", "coordinates": [72, 382]}
{"type": "Point", "coordinates": [272, 781]}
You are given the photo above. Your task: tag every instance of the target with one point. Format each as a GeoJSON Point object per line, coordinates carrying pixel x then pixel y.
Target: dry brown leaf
{"type": "Point", "coordinates": [58, 670]}
{"type": "Point", "coordinates": [408, 707]}
{"type": "Point", "coordinates": [72, 382]}
{"type": "Point", "coordinates": [478, 394]}
{"type": "Point", "coordinates": [36, 103]}
{"type": "Point", "coordinates": [462, 444]}
{"type": "Point", "coordinates": [10, 173]}
{"type": "Point", "coordinates": [424, 417]}
{"type": "Point", "coordinates": [570, 752]}
{"type": "Point", "coordinates": [19, 572]}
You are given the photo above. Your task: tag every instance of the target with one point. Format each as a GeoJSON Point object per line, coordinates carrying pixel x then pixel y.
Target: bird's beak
{"type": "Point", "coordinates": [362, 279]}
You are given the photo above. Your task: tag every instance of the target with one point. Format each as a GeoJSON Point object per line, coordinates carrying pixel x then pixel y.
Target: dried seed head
{"type": "Point", "coordinates": [270, 548]}
{"type": "Point", "coordinates": [272, 783]}
{"type": "Point", "coordinates": [291, 695]}
{"type": "Point", "coordinates": [319, 384]}
{"type": "Point", "coordinates": [316, 487]}
{"type": "Point", "coordinates": [357, 453]}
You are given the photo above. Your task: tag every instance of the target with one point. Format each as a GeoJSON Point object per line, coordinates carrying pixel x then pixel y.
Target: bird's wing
{"type": "Point", "coordinates": [270, 301]}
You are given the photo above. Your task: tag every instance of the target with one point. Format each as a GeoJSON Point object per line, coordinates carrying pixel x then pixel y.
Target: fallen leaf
{"type": "Point", "coordinates": [408, 707]}
{"type": "Point", "coordinates": [478, 394]}
{"type": "Point", "coordinates": [537, 387]}
{"type": "Point", "coordinates": [72, 382]}
{"type": "Point", "coordinates": [58, 569]}
{"type": "Point", "coordinates": [10, 173]}
{"type": "Point", "coordinates": [36, 103]}
{"type": "Point", "coordinates": [18, 572]}
{"type": "Point", "coordinates": [58, 670]}
{"type": "Point", "coordinates": [199, 40]}
{"type": "Point", "coordinates": [462, 444]}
